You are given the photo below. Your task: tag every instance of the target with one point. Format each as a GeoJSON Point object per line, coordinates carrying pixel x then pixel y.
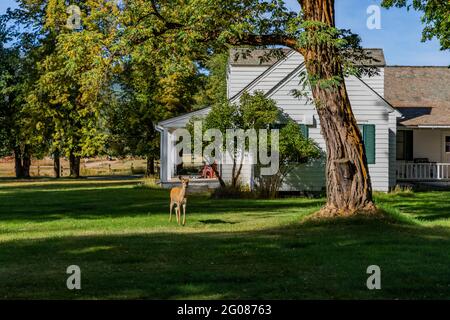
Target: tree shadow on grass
{"type": "Point", "coordinates": [93, 201]}
{"type": "Point", "coordinates": [309, 260]}
{"type": "Point", "coordinates": [216, 221]}
{"type": "Point", "coordinates": [425, 206]}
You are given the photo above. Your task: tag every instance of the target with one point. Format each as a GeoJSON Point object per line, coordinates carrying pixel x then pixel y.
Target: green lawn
{"type": "Point", "coordinates": [120, 237]}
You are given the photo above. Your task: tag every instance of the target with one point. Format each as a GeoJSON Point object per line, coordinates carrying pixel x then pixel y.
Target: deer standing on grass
{"type": "Point", "coordinates": [177, 197]}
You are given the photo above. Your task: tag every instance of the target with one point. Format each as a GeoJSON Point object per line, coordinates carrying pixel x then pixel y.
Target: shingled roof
{"type": "Point", "coordinates": [267, 57]}
{"type": "Point", "coordinates": [421, 94]}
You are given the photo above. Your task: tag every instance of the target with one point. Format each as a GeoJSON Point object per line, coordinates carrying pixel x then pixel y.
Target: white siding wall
{"type": "Point", "coordinates": [376, 82]}
{"type": "Point", "coordinates": [241, 76]}
{"type": "Point", "coordinates": [277, 73]}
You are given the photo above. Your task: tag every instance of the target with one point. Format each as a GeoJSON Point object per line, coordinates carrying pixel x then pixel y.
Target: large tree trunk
{"type": "Point", "coordinates": [18, 162]}
{"type": "Point", "coordinates": [74, 165]}
{"type": "Point", "coordinates": [26, 161]}
{"type": "Point", "coordinates": [349, 189]}
{"type": "Point", "coordinates": [57, 164]}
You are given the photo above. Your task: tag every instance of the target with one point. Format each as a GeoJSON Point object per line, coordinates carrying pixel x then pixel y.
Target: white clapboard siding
{"type": "Point", "coordinates": [275, 74]}
{"type": "Point", "coordinates": [246, 171]}
{"type": "Point", "coordinates": [376, 82]}
{"type": "Point", "coordinates": [241, 76]}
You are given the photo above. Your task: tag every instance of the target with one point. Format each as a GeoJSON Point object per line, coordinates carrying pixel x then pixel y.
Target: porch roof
{"type": "Point", "coordinates": [421, 94]}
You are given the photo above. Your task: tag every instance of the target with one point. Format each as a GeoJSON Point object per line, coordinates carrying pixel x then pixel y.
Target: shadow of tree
{"type": "Point", "coordinates": [92, 201]}
{"type": "Point", "coordinates": [309, 260]}
{"type": "Point", "coordinates": [426, 206]}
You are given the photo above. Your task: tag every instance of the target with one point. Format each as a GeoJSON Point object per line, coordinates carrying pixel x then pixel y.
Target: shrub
{"type": "Point", "coordinates": [230, 192]}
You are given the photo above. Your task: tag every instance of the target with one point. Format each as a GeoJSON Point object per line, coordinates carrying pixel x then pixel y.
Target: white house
{"type": "Point", "coordinates": [403, 112]}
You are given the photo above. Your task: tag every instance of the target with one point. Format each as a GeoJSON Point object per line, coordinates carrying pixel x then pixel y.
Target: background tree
{"type": "Point", "coordinates": [213, 84]}
{"type": "Point", "coordinates": [17, 73]}
{"type": "Point", "coordinates": [436, 17]}
{"type": "Point", "coordinates": [149, 88]}
{"type": "Point", "coordinates": [75, 78]}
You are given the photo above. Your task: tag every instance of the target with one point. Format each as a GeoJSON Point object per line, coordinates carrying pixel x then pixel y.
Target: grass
{"type": "Point", "coordinates": [118, 233]}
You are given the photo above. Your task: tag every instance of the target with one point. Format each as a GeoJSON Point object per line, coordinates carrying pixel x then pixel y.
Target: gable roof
{"type": "Point", "coordinates": [253, 57]}
{"type": "Point", "coordinates": [376, 54]}
{"type": "Point", "coordinates": [178, 121]}
{"type": "Point", "coordinates": [421, 94]}
{"type": "Point", "coordinates": [300, 69]}
{"type": "Point", "coordinates": [250, 86]}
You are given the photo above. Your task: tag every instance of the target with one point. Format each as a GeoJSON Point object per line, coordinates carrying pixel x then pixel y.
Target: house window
{"type": "Point", "coordinates": [447, 144]}
{"type": "Point", "coordinates": [368, 133]}
{"type": "Point", "coordinates": [405, 145]}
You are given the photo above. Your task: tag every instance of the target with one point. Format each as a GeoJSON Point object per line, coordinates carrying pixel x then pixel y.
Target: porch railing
{"type": "Point", "coordinates": [423, 171]}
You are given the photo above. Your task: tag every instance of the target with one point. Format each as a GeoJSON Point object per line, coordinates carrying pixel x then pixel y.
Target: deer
{"type": "Point", "coordinates": [177, 197]}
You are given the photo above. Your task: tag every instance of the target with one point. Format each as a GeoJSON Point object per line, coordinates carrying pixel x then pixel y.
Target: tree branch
{"type": "Point", "coordinates": [246, 39]}
{"type": "Point", "coordinates": [266, 40]}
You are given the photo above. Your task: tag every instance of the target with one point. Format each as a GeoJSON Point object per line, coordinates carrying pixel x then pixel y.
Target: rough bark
{"type": "Point", "coordinates": [26, 161]}
{"type": "Point", "coordinates": [349, 189]}
{"type": "Point", "coordinates": [57, 165]}
{"type": "Point", "coordinates": [74, 165]}
{"type": "Point", "coordinates": [150, 166]}
{"type": "Point", "coordinates": [18, 163]}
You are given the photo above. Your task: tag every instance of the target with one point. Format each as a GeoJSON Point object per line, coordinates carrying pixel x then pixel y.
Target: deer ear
{"type": "Point", "coordinates": [180, 177]}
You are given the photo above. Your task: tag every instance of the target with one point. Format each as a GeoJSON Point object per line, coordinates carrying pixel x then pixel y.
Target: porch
{"type": "Point", "coordinates": [423, 171]}
{"type": "Point", "coordinates": [423, 154]}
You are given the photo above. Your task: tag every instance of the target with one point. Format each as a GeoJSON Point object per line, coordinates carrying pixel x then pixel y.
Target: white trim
{"type": "Point", "coordinates": [183, 116]}
{"type": "Point", "coordinates": [432, 127]}
{"type": "Point", "coordinates": [386, 103]}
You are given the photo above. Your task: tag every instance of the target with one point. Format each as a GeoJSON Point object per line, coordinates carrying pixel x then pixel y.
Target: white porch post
{"type": "Point", "coordinates": [166, 151]}
{"type": "Point", "coordinates": [170, 155]}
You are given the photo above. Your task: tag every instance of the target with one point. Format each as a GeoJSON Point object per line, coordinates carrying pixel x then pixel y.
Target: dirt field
{"type": "Point", "coordinates": [89, 167]}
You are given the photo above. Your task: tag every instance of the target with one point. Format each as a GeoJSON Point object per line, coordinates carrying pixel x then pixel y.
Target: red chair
{"type": "Point", "coordinates": [207, 172]}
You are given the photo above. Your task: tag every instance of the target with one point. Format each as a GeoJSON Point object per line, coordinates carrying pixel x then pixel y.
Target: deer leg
{"type": "Point", "coordinates": [170, 212]}
{"type": "Point", "coordinates": [178, 213]}
{"type": "Point", "coordinates": [184, 212]}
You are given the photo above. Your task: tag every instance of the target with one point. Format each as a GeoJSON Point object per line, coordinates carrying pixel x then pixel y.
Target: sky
{"type": "Point", "coordinates": [399, 35]}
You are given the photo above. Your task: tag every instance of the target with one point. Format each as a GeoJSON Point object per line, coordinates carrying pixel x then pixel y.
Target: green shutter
{"type": "Point", "coordinates": [304, 130]}
{"type": "Point", "coordinates": [369, 142]}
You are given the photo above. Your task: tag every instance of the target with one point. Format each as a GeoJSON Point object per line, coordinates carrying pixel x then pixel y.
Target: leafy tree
{"type": "Point", "coordinates": [214, 89]}
{"type": "Point", "coordinates": [257, 112]}
{"type": "Point", "coordinates": [16, 125]}
{"type": "Point", "coordinates": [150, 88]}
{"type": "Point", "coordinates": [436, 17]}
{"type": "Point", "coordinates": [74, 77]}
{"type": "Point", "coordinates": [252, 112]}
